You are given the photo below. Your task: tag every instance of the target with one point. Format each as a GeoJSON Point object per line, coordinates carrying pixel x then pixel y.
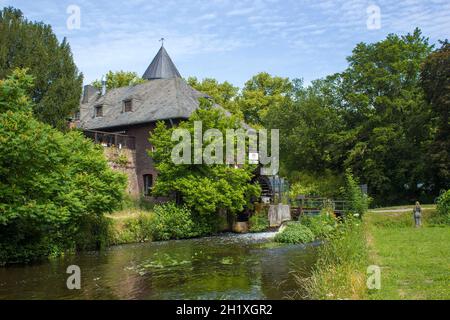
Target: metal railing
{"type": "Point", "coordinates": [314, 205]}
{"type": "Point", "coordinates": [110, 139]}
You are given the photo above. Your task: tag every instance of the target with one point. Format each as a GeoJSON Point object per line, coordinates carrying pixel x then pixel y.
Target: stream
{"type": "Point", "coordinates": [229, 266]}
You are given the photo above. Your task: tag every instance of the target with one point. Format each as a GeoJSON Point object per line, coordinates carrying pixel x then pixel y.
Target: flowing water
{"type": "Point", "coordinates": [230, 266]}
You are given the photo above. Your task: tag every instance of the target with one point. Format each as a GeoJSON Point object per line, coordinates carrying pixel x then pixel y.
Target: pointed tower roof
{"type": "Point", "coordinates": [161, 67]}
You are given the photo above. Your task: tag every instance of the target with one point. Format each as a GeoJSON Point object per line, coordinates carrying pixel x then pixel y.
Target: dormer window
{"type": "Point", "coordinates": [128, 105]}
{"type": "Point", "coordinates": [98, 111]}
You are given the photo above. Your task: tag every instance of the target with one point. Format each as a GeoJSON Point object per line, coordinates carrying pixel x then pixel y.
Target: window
{"type": "Point", "coordinates": [127, 106]}
{"type": "Point", "coordinates": [148, 184]}
{"type": "Point", "coordinates": [99, 111]}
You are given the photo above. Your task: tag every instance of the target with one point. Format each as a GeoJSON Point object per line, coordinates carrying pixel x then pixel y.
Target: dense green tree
{"type": "Point", "coordinates": [371, 118]}
{"type": "Point", "coordinates": [381, 92]}
{"type": "Point", "coordinates": [119, 79]}
{"type": "Point", "coordinates": [224, 94]}
{"type": "Point", "coordinates": [436, 84]}
{"type": "Point", "coordinates": [204, 188]}
{"type": "Point", "coordinates": [51, 183]}
{"type": "Point", "coordinates": [310, 130]}
{"type": "Point", "coordinates": [33, 45]}
{"type": "Point", "coordinates": [262, 92]}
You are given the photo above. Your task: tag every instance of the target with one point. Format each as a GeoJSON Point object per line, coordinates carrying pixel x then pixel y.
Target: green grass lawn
{"type": "Point", "coordinates": [415, 263]}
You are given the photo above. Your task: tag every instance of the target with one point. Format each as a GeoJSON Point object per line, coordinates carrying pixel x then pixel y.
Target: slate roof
{"type": "Point", "coordinates": [161, 67]}
{"type": "Point", "coordinates": [154, 100]}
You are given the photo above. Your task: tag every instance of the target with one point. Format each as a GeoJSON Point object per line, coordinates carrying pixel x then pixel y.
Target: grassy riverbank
{"type": "Point", "coordinates": [130, 226]}
{"type": "Point", "coordinates": [339, 272]}
{"type": "Point", "coordinates": [415, 262]}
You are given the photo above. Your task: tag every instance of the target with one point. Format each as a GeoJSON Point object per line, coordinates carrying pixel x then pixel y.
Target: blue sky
{"type": "Point", "coordinates": [231, 40]}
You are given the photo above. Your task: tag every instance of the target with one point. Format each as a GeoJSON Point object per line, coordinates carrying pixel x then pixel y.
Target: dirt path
{"type": "Point", "coordinates": [390, 210]}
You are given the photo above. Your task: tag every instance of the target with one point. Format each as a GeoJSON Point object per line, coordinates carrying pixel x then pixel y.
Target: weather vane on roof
{"type": "Point", "coordinates": [162, 41]}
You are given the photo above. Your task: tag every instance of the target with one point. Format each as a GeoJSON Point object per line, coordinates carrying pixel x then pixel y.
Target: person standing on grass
{"type": "Point", "coordinates": [417, 211]}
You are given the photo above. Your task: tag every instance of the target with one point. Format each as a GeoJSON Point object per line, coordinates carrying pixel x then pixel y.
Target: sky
{"type": "Point", "coordinates": [230, 40]}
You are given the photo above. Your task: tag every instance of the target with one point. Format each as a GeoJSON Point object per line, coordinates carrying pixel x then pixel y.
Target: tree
{"type": "Point", "coordinates": [383, 101]}
{"type": "Point", "coordinates": [224, 94]}
{"type": "Point", "coordinates": [33, 45]}
{"type": "Point", "coordinates": [371, 118]}
{"type": "Point", "coordinates": [310, 131]}
{"type": "Point", "coordinates": [51, 183]}
{"type": "Point", "coordinates": [435, 81]}
{"type": "Point", "coordinates": [119, 79]}
{"type": "Point", "coordinates": [261, 93]}
{"type": "Point", "coordinates": [204, 188]}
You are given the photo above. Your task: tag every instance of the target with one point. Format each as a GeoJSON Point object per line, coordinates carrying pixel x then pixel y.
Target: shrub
{"type": "Point", "coordinates": [443, 203]}
{"type": "Point", "coordinates": [321, 225]}
{"type": "Point", "coordinates": [295, 232]}
{"type": "Point", "coordinates": [172, 222]}
{"type": "Point", "coordinates": [357, 200]}
{"type": "Point", "coordinates": [133, 229]}
{"type": "Point", "coordinates": [442, 215]}
{"type": "Point", "coordinates": [52, 184]}
{"type": "Point", "coordinates": [259, 222]}
{"type": "Point", "coordinates": [327, 184]}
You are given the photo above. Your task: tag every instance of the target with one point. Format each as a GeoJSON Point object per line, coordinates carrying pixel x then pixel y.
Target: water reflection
{"type": "Point", "coordinates": [225, 267]}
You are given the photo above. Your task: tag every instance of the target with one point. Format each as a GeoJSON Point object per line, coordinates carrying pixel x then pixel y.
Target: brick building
{"type": "Point", "coordinates": [124, 117]}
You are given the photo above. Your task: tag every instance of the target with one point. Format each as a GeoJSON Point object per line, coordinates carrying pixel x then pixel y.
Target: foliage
{"type": "Point", "coordinates": [383, 100]}
{"type": "Point", "coordinates": [33, 45]}
{"type": "Point", "coordinates": [298, 188]}
{"type": "Point", "coordinates": [172, 222]}
{"type": "Point", "coordinates": [207, 188]}
{"type": "Point", "coordinates": [340, 270]}
{"type": "Point", "coordinates": [121, 159]}
{"type": "Point", "coordinates": [260, 93]}
{"type": "Point", "coordinates": [132, 229]}
{"type": "Point", "coordinates": [224, 94]}
{"type": "Point", "coordinates": [119, 79]}
{"type": "Point", "coordinates": [51, 183]}
{"type": "Point", "coordinates": [374, 118]}
{"type": "Point", "coordinates": [358, 202]}
{"type": "Point", "coordinates": [435, 80]}
{"type": "Point", "coordinates": [259, 222]}
{"type": "Point", "coordinates": [141, 203]}
{"type": "Point", "coordinates": [13, 94]}
{"type": "Point", "coordinates": [320, 225]}
{"type": "Point", "coordinates": [443, 204]}
{"type": "Point", "coordinates": [326, 184]}
{"type": "Point", "coordinates": [295, 232]}
{"type": "Point", "coordinates": [312, 134]}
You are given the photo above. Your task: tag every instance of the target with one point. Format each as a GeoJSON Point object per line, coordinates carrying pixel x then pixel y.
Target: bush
{"type": "Point", "coordinates": [327, 184]}
{"type": "Point", "coordinates": [52, 184]}
{"type": "Point", "coordinates": [259, 222]}
{"type": "Point", "coordinates": [133, 229]}
{"type": "Point", "coordinates": [443, 204]}
{"type": "Point", "coordinates": [172, 222]}
{"type": "Point", "coordinates": [357, 200]}
{"type": "Point", "coordinates": [295, 232]}
{"type": "Point", "coordinates": [321, 225]}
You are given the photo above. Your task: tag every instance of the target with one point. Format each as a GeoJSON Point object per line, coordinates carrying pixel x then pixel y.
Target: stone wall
{"type": "Point", "coordinates": [124, 160]}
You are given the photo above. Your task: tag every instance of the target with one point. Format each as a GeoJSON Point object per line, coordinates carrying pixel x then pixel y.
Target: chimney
{"type": "Point", "coordinates": [88, 93]}
{"type": "Point", "coordinates": [103, 85]}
